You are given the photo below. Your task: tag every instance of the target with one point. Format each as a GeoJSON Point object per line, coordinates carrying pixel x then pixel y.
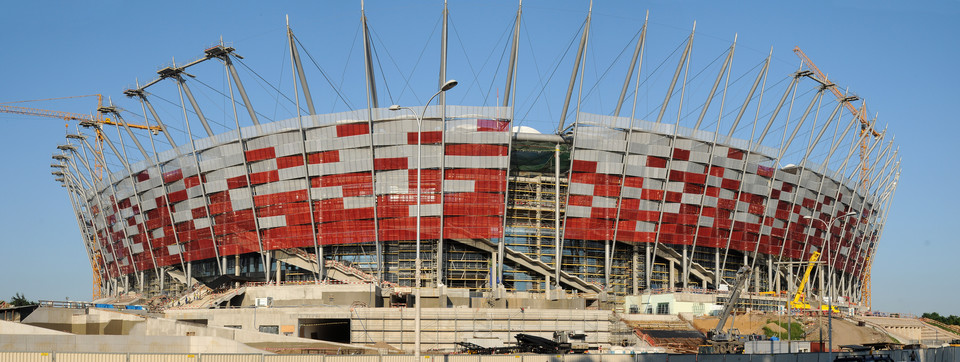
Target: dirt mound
{"type": "Point", "coordinates": [746, 323]}
{"type": "Point", "coordinates": [844, 332]}
{"type": "Point", "coordinates": [776, 328]}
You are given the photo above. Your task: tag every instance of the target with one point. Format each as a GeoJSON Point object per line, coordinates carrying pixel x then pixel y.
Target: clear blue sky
{"type": "Point", "coordinates": [900, 56]}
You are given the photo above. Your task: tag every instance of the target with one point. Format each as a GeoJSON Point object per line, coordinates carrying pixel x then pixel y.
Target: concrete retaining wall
{"type": "Point", "coordinates": [927, 355]}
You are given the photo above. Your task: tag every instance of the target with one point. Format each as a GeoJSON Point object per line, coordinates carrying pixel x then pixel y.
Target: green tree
{"type": "Point", "coordinates": [19, 300]}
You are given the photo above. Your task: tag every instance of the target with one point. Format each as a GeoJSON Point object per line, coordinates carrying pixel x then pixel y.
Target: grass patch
{"type": "Point", "coordinates": [789, 330]}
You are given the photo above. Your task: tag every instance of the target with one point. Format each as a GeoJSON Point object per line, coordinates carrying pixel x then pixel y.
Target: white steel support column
{"type": "Point", "coordinates": [673, 139]}
{"type": "Point", "coordinates": [713, 146]}
{"type": "Point", "coordinates": [246, 175]}
{"type": "Point", "coordinates": [297, 68]}
{"type": "Point", "coordinates": [637, 55]}
{"type": "Point", "coordinates": [145, 104]}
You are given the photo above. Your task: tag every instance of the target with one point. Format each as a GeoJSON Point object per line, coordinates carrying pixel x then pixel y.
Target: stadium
{"type": "Point", "coordinates": [465, 197]}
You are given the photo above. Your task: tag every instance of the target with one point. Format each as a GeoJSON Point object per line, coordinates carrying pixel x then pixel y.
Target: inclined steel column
{"type": "Point", "coordinates": [716, 84]}
{"type": "Point", "coordinates": [246, 168]}
{"type": "Point", "coordinates": [243, 93]}
{"type": "Point", "coordinates": [95, 188]}
{"type": "Point", "coordinates": [676, 74]}
{"type": "Point", "coordinates": [823, 167]}
{"type": "Point", "coordinates": [803, 160]}
{"type": "Point", "coordinates": [761, 74]}
{"type": "Point", "coordinates": [145, 104]}
{"type": "Point", "coordinates": [874, 206]}
{"type": "Point", "coordinates": [713, 148]}
{"type": "Point", "coordinates": [576, 68]}
{"type": "Point", "coordinates": [638, 53]}
{"type": "Point", "coordinates": [576, 125]}
{"type": "Point", "coordinates": [196, 160]}
{"type": "Point", "coordinates": [719, 274]}
{"type": "Point", "coordinates": [443, 146]}
{"type": "Point", "coordinates": [514, 49]}
{"type": "Point", "coordinates": [673, 146]}
{"type": "Point", "coordinates": [319, 272]}
{"type": "Point", "coordinates": [372, 104]}
{"type": "Point", "coordinates": [184, 89]}
{"type": "Point", "coordinates": [116, 204]}
{"type": "Point", "coordinates": [776, 111]}
{"type": "Point", "coordinates": [89, 242]}
{"type": "Point", "coordinates": [298, 70]}
{"type": "Point", "coordinates": [78, 180]}
{"type": "Point", "coordinates": [557, 239]}
{"type": "Point", "coordinates": [511, 87]}
{"type": "Point", "coordinates": [136, 191]}
{"type": "Point", "coordinates": [800, 173]}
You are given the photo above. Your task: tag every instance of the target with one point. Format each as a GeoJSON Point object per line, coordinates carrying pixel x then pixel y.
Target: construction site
{"type": "Point", "coordinates": [455, 229]}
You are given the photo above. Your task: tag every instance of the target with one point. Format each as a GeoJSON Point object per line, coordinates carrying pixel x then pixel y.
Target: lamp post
{"type": "Point", "coordinates": [445, 87]}
{"type": "Point", "coordinates": [830, 281]}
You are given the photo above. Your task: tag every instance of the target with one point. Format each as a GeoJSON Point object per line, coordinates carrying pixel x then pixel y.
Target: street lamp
{"type": "Point", "coordinates": [830, 281]}
{"type": "Point", "coordinates": [445, 87]}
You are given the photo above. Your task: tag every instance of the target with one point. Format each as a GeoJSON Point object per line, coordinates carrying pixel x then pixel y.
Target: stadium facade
{"type": "Point", "coordinates": [611, 204]}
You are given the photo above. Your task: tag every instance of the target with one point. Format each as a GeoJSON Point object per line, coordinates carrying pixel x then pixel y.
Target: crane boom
{"type": "Point", "coordinates": [85, 120]}
{"type": "Point", "coordinates": [859, 114]}
{"type": "Point", "coordinates": [742, 275]}
{"type": "Point", "coordinates": [799, 300]}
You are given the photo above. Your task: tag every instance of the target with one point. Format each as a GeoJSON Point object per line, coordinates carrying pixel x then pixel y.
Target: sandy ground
{"type": "Point", "coordinates": [844, 332]}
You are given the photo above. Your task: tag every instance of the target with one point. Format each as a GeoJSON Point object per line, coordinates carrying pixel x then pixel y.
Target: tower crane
{"type": "Point", "coordinates": [865, 127]}
{"type": "Point", "coordinates": [94, 121]}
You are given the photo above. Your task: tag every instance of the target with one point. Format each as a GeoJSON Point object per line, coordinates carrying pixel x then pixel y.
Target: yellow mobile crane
{"type": "Point", "coordinates": [799, 301]}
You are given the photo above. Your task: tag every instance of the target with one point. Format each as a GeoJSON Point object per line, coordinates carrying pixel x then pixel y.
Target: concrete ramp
{"type": "Point", "coordinates": [26, 329]}
{"type": "Point", "coordinates": [67, 343]}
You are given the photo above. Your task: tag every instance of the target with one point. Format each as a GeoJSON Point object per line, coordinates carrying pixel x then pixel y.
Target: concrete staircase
{"type": "Point", "coordinates": [534, 265]}
{"type": "Point", "coordinates": [334, 269]}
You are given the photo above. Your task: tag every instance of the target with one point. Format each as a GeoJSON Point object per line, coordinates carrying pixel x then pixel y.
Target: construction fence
{"type": "Point", "coordinates": [945, 354]}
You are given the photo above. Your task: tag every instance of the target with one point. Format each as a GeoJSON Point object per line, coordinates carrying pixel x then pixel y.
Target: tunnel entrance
{"type": "Point", "coordinates": [333, 330]}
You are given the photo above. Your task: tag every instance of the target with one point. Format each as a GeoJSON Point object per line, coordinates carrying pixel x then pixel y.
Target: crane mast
{"type": "Point", "coordinates": [865, 128]}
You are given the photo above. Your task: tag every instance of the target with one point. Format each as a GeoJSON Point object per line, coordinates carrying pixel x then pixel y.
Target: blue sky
{"type": "Point", "coordinates": [899, 56]}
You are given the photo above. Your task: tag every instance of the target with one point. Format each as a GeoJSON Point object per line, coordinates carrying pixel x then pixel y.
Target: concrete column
{"type": "Point", "coordinates": [266, 266]}
{"type": "Point", "coordinates": [648, 265]}
{"type": "Point", "coordinates": [672, 275]}
{"type": "Point", "coordinates": [718, 274]}
{"type": "Point", "coordinates": [278, 273]}
{"type": "Point", "coordinates": [683, 268]}
{"type": "Point", "coordinates": [770, 273]}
